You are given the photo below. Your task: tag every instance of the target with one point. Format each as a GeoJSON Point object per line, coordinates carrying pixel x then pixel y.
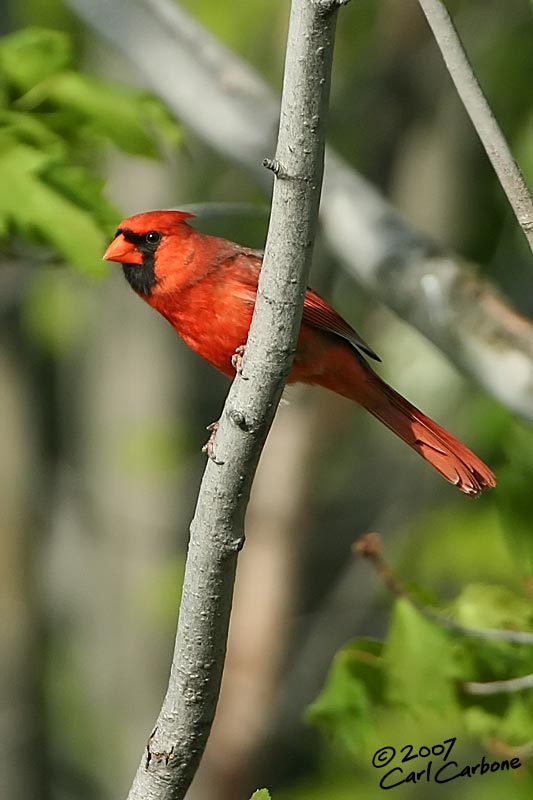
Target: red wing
{"type": "Point", "coordinates": [242, 273]}
{"type": "Point", "coordinates": [316, 311]}
{"type": "Point", "coordinates": [319, 314]}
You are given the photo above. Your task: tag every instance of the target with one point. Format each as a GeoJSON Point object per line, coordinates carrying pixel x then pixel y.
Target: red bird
{"type": "Point", "coordinates": [206, 288]}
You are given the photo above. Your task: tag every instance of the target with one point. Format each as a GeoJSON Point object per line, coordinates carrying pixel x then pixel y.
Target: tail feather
{"type": "Point", "coordinates": [348, 374]}
{"type": "Point", "coordinates": [437, 446]}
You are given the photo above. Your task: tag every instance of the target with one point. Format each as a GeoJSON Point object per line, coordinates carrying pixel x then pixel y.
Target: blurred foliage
{"type": "Point", "coordinates": [261, 794]}
{"type": "Point", "coordinates": [419, 670]}
{"type": "Point", "coordinates": [408, 692]}
{"type": "Point", "coordinates": [55, 123]}
{"type": "Point", "coordinates": [417, 673]}
{"type": "Point", "coordinates": [409, 687]}
{"type": "Point", "coordinates": [59, 128]}
{"type": "Point", "coordinates": [55, 313]}
{"type": "Point", "coordinates": [156, 449]}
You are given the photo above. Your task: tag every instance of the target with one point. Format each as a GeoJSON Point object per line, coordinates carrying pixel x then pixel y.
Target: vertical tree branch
{"type": "Point", "coordinates": [479, 111]}
{"type": "Point", "coordinates": [217, 530]}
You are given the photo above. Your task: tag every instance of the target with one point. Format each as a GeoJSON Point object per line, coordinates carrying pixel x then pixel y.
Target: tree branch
{"type": "Point", "coordinates": [369, 546]}
{"type": "Point", "coordinates": [436, 292]}
{"type": "Point", "coordinates": [499, 687]}
{"type": "Point", "coordinates": [217, 530]}
{"type": "Point", "coordinates": [441, 295]}
{"type": "Point", "coordinates": [479, 111]}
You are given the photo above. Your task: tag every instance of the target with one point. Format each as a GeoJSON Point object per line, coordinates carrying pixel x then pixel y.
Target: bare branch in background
{"type": "Point", "coordinates": [370, 547]}
{"type": "Point", "coordinates": [499, 687]}
{"type": "Point", "coordinates": [217, 531]}
{"type": "Point", "coordinates": [438, 293]}
{"type": "Point", "coordinates": [479, 111]}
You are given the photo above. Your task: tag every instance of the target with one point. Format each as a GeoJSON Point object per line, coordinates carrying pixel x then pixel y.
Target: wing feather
{"type": "Point", "coordinates": [316, 313]}
{"type": "Point", "coordinates": [321, 315]}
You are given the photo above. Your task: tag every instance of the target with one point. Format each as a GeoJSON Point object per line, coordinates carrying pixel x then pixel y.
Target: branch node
{"type": "Point", "coordinates": [237, 360]}
{"type": "Point", "coordinates": [152, 755]}
{"type": "Point", "coordinates": [238, 419]}
{"type": "Point", "coordinates": [368, 546]}
{"type": "Point", "coordinates": [329, 6]}
{"type": "Point", "coordinates": [274, 166]}
{"type": "Point", "coordinates": [236, 545]}
{"type": "Point", "coordinates": [209, 446]}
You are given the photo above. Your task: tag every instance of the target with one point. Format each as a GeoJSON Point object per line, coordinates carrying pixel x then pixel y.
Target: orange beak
{"type": "Point", "coordinates": [123, 251]}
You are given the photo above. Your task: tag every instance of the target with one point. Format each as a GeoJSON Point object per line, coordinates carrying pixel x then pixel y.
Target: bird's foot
{"type": "Point", "coordinates": [209, 446]}
{"type": "Point", "coordinates": [237, 359]}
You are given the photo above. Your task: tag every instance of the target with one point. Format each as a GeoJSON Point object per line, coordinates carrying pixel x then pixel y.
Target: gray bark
{"type": "Point", "coordinates": [217, 530]}
{"type": "Point", "coordinates": [479, 111]}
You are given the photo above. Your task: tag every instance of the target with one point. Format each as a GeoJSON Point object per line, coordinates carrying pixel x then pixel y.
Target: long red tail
{"type": "Point", "coordinates": [348, 374]}
{"type": "Point", "coordinates": [444, 452]}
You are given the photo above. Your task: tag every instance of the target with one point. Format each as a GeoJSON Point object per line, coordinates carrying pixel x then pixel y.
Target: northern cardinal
{"type": "Point", "coordinates": [206, 288]}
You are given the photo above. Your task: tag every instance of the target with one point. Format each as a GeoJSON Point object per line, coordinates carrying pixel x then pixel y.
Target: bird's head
{"type": "Point", "coordinates": [145, 245]}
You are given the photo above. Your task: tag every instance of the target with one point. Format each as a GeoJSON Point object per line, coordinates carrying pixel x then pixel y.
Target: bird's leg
{"type": "Point", "coordinates": [237, 359]}
{"type": "Point", "coordinates": [209, 446]}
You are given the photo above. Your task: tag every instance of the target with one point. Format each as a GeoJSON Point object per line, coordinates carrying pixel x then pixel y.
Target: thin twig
{"type": "Point", "coordinates": [438, 293]}
{"type": "Point", "coordinates": [178, 740]}
{"type": "Point", "coordinates": [370, 547]}
{"type": "Point", "coordinates": [479, 111]}
{"type": "Point", "coordinates": [499, 687]}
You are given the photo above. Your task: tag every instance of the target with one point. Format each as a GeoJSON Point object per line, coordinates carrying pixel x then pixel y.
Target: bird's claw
{"type": "Point", "coordinates": [209, 446]}
{"type": "Point", "coordinates": [237, 359]}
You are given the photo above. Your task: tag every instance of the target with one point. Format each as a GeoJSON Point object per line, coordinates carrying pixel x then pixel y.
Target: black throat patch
{"type": "Point", "coordinates": [141, 277]}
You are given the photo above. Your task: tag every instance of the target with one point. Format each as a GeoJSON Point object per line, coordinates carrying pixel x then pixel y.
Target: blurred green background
{"type": "Point", "coordinates": [103, 413]}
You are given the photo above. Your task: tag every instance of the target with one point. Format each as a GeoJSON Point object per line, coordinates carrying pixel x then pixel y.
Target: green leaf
{"type": "Point", "coordinates": [32, 55]}
{"type": "Point", "coordinates": [485, 606]}
{"type": "Point", "coordinates": [129, 118]}
{"type": "Point", "coordinates": [508, 718]}
{"type": "Point", "coordinates": [517, 724]}
{"type": "Point", "coordinates": [420, 662]}
{"type": "Point", "coordinates": [53, 123]}
{"type": "Point", "coordinates": [489, 660]}
{"type": "Point", "coordinates": [34, 208]}
{"type": "Point", "coordinates": [261, 794]}
{"type": "Point", "coordinates": [485, 660]}
{"type": "Point", "coordinates": [31, 130]}
{"type": "Point", "coordinates": [85, 190]}
{"type": "Point", "coordinates": [354, 686]}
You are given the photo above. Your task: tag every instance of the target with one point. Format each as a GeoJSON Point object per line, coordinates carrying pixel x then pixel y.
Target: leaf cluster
{"type": "Point", "coordinates": [419, 673]}
{"type": "Point", "coordinates": [55, 123]}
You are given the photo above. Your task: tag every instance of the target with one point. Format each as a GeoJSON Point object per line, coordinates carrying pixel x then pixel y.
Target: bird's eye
{"type": "Point", "coordinates": [152, 238]}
